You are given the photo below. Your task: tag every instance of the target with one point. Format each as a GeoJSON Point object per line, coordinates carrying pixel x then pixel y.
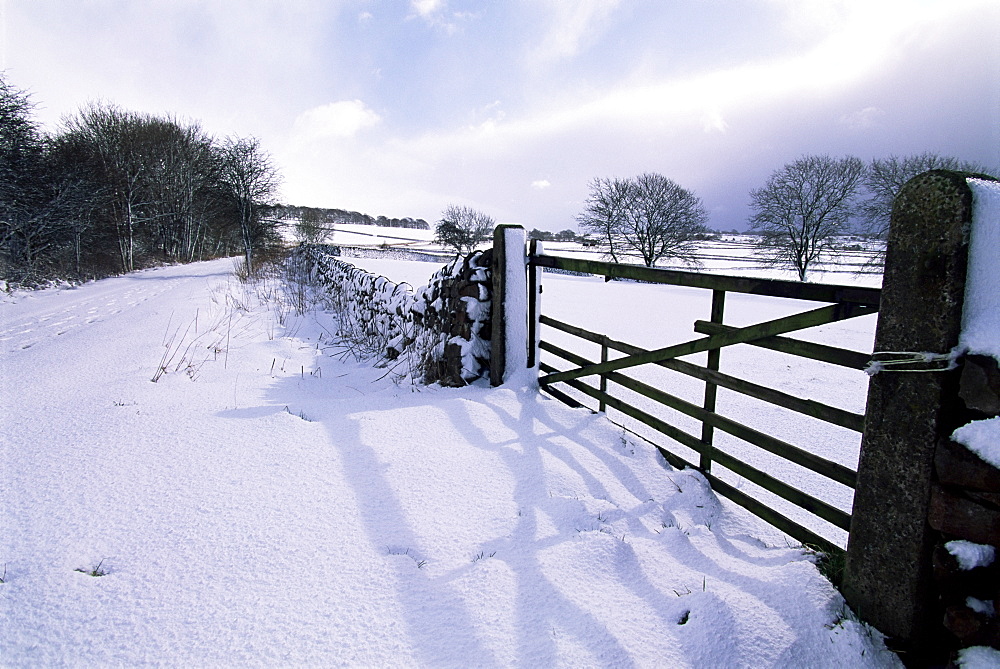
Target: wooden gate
{"type": "Point", "coordinates": [842, 302]}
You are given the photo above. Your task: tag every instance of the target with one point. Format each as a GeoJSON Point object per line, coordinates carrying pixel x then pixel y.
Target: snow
{"type": "Point", "coordinates": [970, 555]}
{"type": "Point", "coordinates": [981, 310]}
{"type": "Point", "coordinates": [984, 607]}
{"type": "Point", "coordinates": [269, 502]}
{"type": "Point", "coordinates": [516, 305]}
{"type": "Point", "coordinates": [978, 657]}
{"type": "Point", "coordinates": [982, 437]}
{"type": "Point", "coordinates": [652, 316]}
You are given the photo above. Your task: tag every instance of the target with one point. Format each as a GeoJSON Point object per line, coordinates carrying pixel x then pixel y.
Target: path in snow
{"type": "Point", "coordinates": [265, 503]}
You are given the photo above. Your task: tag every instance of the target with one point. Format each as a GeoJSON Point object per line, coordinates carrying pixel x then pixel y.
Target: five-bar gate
{"type": "Point", "coordinates": [843, 302]}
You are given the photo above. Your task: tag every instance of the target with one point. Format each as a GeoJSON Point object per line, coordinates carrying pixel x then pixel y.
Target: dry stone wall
{"type": "Point", "coordinates": [441, 330]}
{"type": "Point", "coordinates": [965, 507]}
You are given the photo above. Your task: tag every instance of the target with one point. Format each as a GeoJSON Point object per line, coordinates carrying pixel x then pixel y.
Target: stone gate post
{"type": "Point", "coordinates": [888, 574]}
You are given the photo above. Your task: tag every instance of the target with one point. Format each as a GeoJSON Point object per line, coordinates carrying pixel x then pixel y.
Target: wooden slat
{"type": "Point", "coordinates": [818, 507]}
{"type": "Point", "coordinates": [815, 506]}
{"type": "Point", "coordinates": [806, 319]}
{"type": "Point", "coordinates": [711, 388]}
{"type": "Point", "coordinates": [755, 506]}
{"type": "Point", "coordinates": [533, 287]}
{"type": "Point", "coordinates": [571, 329]}
{"type": "Point", "coordinates": [558, 394]}
{"type": "Point", "coordinates": [803, 349]}
{"type": "Point", "coordinates": [816, 292]}
{"type": "Point", "coordinates": [810, 461]}
{"type": "Point", "coordinates": [657, 424]}
{"type": "Point", "coordinates": [818, 410]}
{"type": "Point", "coordinates": [782, 522]}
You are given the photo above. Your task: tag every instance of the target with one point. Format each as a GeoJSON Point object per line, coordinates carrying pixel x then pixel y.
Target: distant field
{"type": "Point", "coordinates": [731, 254]}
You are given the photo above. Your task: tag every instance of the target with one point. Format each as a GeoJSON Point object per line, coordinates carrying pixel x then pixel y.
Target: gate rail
{"type": "Point", "coordinates": [845, 302]}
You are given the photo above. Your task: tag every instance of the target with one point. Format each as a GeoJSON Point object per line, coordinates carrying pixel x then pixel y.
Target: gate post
{"type": "Point", "coordinates": [509, 336]}
{"type": "Point", "coordinates": [888, 572]}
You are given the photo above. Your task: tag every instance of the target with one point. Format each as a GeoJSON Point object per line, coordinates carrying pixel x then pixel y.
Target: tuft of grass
{"type": "Point", "coordinates": [830, 565]}
{"type": "Point", "coordinates": [3, 579]}
{"type": "Point", "coordinates": [95, 572]}
{"type": "Point", "coordinates": [300, 414]}
{"type": "Point", "coordinates": [482, 555]}
{"type": "Point", "coordinates": [399, 550]}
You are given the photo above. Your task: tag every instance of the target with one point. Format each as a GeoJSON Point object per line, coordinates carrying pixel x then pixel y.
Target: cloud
{"type": "Point", "coordinates": [717, 130]}
{"type": "Point", "coordinates": [436, 14]}
{"type": "Point", "coordinates": [427, 8]}
{"type": "Point", "coordinates": [335, 120]}
{"type": "Point", "coordinates": [573, 24]}
{"type": "Point", "coordinates": [862, 119]}
{"type": "Point", "coordinates": [712, 121]}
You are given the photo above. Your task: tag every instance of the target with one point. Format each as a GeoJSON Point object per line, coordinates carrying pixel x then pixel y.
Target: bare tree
{"type": "Point", "coordinates": [251, 181]}
{"type": "Point", "coordinates": [311, 228]}
{"type": "Point", "coordinates": [803, 206]}
{"type": "Point", "coordinates": [884, 178]}
{"type": "Point", "coordinates": [20, 166]}
{"type": "Point", "coordinates": [664, 220]}
{"type": "Point", "coordinates": [113, 187]}
{"type": "Point", "coordinates": [649, 215]}
{"type": "Point", "coordinates": [41, 204]}
{"type": "Point", "coordinates": [463, 228]}
{"type": "Point", "coordinates": [605, 212]}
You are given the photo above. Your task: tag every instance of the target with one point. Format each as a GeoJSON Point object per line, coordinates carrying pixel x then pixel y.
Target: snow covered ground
{"type": "Point", "coordinates": [266, 503]}
{"type": "Point", "coordinates": [654, 316]}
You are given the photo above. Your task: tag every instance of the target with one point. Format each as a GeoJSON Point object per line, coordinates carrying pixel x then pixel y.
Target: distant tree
{"type": "Point", "coordinates": [565, 236]}
{"type": "Point", "coordinates": [113, 190]}
{"type": "Point", "coordinates": [605, 212]}
{"type": "Point", "coordinates": [664, 220]}
{"type": "Point", "coordinates": [463, 228]}
{"type": "Point", "coordinates": [886, 176]}
{"type": "Point", "coordinates": [43, 204]}
{"type": "Point", "coordinates": [803, 206]}
{"type": "Point", "coordinates": [311, 227]}
{"type": "Point", "coordinates": [20, 166]}
{"type": "Point", "coordinates": [251, 181]}
{"type": "Point", "coordinates": [649, 215]}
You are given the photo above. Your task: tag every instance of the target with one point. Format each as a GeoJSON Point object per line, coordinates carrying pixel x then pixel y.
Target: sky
{"type": "Point", "coordinates": [401, 108]}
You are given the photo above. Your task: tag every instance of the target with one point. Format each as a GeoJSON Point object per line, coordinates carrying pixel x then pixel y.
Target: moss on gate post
{"type": "Point", "coordinates": [888, 575]}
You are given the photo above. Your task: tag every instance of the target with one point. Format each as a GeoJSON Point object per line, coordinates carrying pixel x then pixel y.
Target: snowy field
{"type": "Point", "coordinates": [266, 503]}
{"type": "Point", "coordinates": [730, 254]}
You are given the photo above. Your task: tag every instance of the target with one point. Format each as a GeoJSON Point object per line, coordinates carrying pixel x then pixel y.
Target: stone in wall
{"type": "Point", "coordinates": [965, 504]}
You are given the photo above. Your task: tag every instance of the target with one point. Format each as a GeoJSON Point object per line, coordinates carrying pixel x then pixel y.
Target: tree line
{"type": "Point", "coordinates": [797, 213]}
{"type": "Point", "coordinates": [115, 190]}
{"type": "Point", "coordinates": [326, 216]}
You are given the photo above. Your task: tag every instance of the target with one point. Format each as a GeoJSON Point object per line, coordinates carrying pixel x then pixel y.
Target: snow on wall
{"type": "Point", "coordinates": [442, 329]}
{"type": "Point", "coordinates": [981, 310]}
{"type": "Point", "coordinates": [516, 307]}
{"type": "Point", "coordinates": [392, 253]}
